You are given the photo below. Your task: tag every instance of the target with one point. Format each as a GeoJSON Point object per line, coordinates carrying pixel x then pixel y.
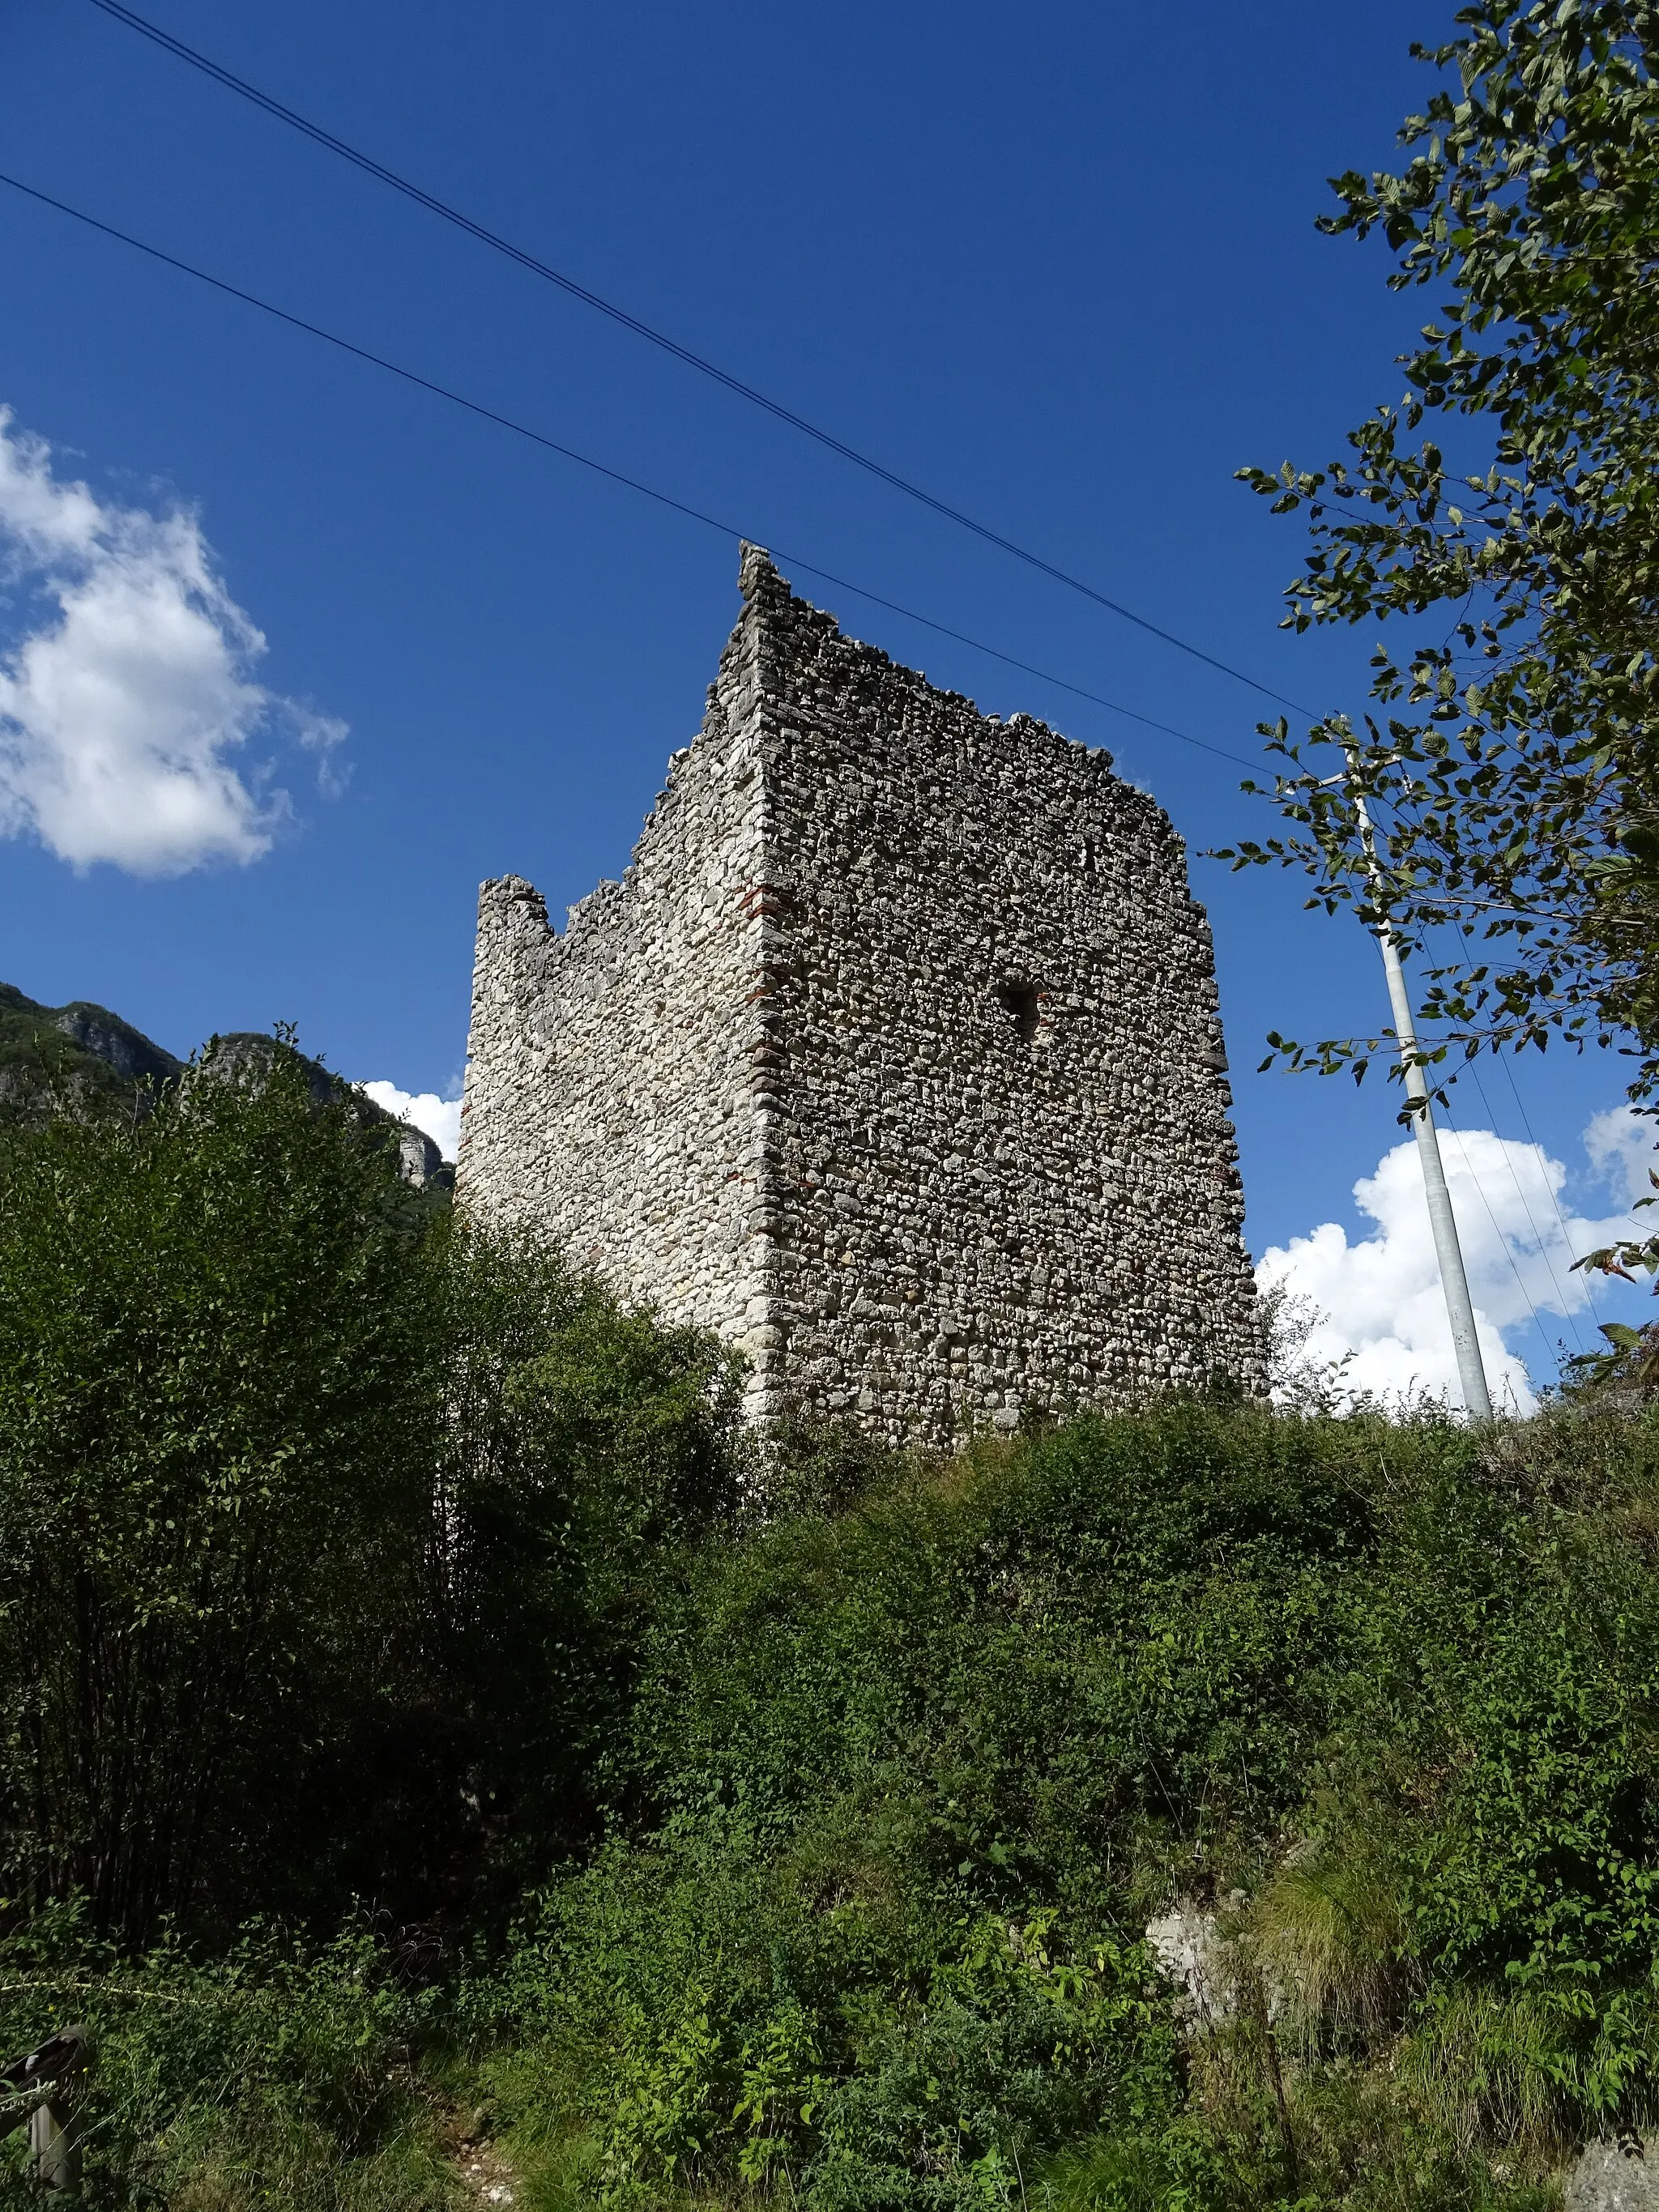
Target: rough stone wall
{"type": "Point", "coordinates": [607, 1091]}
{"type": "Point", "coordinates": [894, 1057]}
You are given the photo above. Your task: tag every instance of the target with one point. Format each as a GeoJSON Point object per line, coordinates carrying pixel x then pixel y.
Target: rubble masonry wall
{"type": "Point", "coordinates": [894, 1057]}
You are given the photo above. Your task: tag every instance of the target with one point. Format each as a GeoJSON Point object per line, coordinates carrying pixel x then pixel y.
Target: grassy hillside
{"type": "Point", "coordinates": [920, 1774]}
{"type": "Point", "coordinates": [438, 1743]}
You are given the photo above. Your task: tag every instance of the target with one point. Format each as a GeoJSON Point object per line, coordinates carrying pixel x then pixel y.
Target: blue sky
{"type": "Point", "coordinates": [1058, 264]}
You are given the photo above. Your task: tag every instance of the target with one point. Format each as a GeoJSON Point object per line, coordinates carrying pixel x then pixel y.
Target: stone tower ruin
{"type": "Point", "coordinates": [894, 1057]}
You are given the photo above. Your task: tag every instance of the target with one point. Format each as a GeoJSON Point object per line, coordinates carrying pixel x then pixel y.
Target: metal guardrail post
{"type": "Point", "coordinates": [53, 2141]}
{"type": "Point", "coordinates": [53, 2134]}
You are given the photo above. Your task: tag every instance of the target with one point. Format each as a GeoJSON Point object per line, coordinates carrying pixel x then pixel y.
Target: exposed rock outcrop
{"type": "Point", "coordinates": [1613, 2177]}
{"type": "Point", "coordinates": [54, 1059]}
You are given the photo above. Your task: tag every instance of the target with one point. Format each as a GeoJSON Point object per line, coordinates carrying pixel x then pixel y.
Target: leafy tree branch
{"type": "Point", "coordinates": [1509, 757]}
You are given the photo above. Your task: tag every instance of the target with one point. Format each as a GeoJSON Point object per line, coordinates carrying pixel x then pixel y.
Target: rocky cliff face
{"type": "Point", "coordinates": [65, 1058]}
{"type": "Point", "coordinates": [244, 1053]}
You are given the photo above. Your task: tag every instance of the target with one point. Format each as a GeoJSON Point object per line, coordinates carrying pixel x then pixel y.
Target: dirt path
{"type": "Point", "coordinates": [482, 2171]}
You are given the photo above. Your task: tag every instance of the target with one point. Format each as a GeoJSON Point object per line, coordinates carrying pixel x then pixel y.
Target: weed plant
{"type": "Point", "coordinates": [1378, 1695]}
{"type": "Point", "coordinates": [424, 1714]}
{"type": "Point", "coordinates": [272, 2073]}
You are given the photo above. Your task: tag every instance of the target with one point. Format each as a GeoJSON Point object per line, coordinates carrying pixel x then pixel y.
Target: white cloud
{"type": "Point", "coordinates": [1381, 1299]}
{"type": "Point", "coordinates": [441, 1118]}
{"type": "Point", "coordinates": [1620, 1144]}
{"type": "Point", "coordinates": [120, 707]}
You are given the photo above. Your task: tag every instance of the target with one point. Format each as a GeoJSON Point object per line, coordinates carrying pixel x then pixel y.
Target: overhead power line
{"type": "Point", "coordinates": [1504, 1245]}
{"type": "Point", "coordinates": [1563, 1304]}
{"type": "Point", "coordinates": [599, 468]}
{"type": "Point", "coordinates": [700, 362]}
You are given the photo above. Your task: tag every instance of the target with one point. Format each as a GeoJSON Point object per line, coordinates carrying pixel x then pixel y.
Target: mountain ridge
{"type": "Point", "coordinates": [74, 1054]}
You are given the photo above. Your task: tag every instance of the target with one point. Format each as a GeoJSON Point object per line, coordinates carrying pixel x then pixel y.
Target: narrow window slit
{"type": "Point", "coordinates": [1018, 1001]}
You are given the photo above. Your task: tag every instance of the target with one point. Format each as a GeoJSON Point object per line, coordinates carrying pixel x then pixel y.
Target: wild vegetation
{"type": "Point", "coordinates": [920, 1773]}
{"type": "Point", "coordinates": [1508, 761]}
{"type": "Point", "coordinates": [1498, 807]}
{"type": "Point", "coordinates": [437, 1744]}
{"type": "Point", "coordinates": [429, 1723]}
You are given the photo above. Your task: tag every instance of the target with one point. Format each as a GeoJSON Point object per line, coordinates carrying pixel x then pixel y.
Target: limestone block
{"type": "Point", "coordinates": [1613, 2177]}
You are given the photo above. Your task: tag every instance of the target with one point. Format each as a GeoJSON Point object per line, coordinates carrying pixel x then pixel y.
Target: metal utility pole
{"type": "Point", "coordinates": [1471, 1369]}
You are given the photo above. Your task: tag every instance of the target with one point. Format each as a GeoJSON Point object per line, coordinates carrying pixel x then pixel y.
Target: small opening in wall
{"type": "Point", "coordinates": [1018, 1001]}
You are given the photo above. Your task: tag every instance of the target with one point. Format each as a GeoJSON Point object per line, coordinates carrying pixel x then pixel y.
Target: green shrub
{"type": "Point", "coordinates": [682, 2005]}
{"type": "Point", "coordinates": [327, 1525]}
{"type": "Point", "coordinates": [921, 1771]}
{"type": "Point", "coordinates": [270, 2073]}
{"type": "Point", "coordinates": [347, 1552]}
{"type": "Point", "coordinates": [215, 1380]}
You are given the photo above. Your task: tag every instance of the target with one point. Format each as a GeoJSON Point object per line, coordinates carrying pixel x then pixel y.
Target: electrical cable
{"type": "Point", "coordinates": [1588, 1274]}
{"type": "Point", "coordinates": [1509, 1254]}
{"type": "Point", "coordinates": [1565, 1304]}
{"type": "Point", "coordinates": [599, 468]}
{"type": "Point", "coordinates": [1561, 1220]}
{"type": "Point", "coordinates": [1463, 929]}
{"type": "Point", "coordinates": [485, 236]}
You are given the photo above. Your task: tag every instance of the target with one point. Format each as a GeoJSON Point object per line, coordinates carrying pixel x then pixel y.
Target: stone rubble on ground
{"type": "Point", "coordinates": [1613, 2177]}
{"type": "Point", "coordinates": [1193, 1953]}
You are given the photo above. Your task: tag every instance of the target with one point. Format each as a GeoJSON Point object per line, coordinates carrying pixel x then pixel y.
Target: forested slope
{"type": "Point", "coordinates": [429, 1717]}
